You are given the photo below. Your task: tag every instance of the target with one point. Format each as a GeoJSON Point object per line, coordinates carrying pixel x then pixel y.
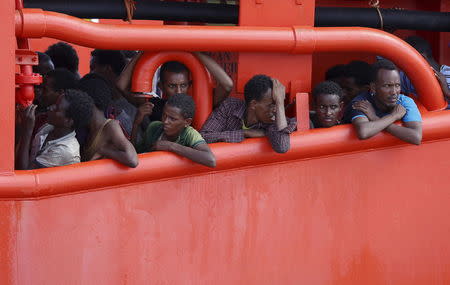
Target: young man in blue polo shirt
{"type": "Point", "coordinates": [378, 109]}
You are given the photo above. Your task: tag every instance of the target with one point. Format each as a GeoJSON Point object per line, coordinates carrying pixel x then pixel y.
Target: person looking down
{"type": "Point", "coordinates": [262, 114]}
{"type": "Point", "coordinates": [104, 137]}
{"type": "Point", "coordinates": [175, 134]}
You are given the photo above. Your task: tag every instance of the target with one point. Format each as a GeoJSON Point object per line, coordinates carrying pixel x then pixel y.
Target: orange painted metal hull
{"type": "Point", "coordinates": [373, 217]}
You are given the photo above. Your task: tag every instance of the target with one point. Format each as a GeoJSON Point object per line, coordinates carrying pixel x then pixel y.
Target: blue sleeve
{"type": "Point", "coordinates": [356, 114]}
{"type": "Point", "coordinates": [412, 112]}
{"type": "Point", "coordinates": [407, 87]}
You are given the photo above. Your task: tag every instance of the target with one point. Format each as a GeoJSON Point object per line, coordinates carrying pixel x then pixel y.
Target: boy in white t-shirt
{"type": "Point", "coordinates": [54, 143]}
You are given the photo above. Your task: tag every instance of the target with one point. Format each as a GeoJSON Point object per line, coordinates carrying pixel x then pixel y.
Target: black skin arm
{"type": "Point", "coordinates": [200, 153]}
{"type": "Point", "coordinates": [118, 147]}
{"type": "Point", "coordinates": [410, 132]}
{"type": "Point", "coordinates": [224, 82]}
{"type": "Point", "coordinates": [23, 146]}
{"type": "Point", "coordinates": [124, 80]}
{"type": "Point", "coordinates": [145, 109]}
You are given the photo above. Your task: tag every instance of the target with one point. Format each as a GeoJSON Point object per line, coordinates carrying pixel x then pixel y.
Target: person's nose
{"type": "Point", "coordinates": [179, 89]}
{"type": "Point", "coordinates": [166, 121]}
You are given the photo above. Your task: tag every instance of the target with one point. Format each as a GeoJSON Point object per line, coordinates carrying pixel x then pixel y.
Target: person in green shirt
{"type": "Point", "coordinates": [174, 133]}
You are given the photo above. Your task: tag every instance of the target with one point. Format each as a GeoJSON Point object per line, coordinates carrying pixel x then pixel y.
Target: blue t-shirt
{"type": "Point", "coordinates": [412, 113]}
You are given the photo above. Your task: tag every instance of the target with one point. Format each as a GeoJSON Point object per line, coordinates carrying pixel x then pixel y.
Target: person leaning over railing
{"type": "Point", "coordinates": [175, 134]}
{"type": "Point", "coordinates": [377, 110]}
{"type": "Point", "coordinates": [262, 114]}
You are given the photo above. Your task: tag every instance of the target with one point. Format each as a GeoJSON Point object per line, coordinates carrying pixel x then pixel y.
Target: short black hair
{"type": "Point", "coordinates": [256, 87]}
{"type": "Point", "coordinates": [172, 66]}
{"type": "Point", "coordinates": [335, 72]}
{"type": "Point", "coordinates": [421, 45]}
{"type": "Point", "coordinates": [378, 65]}
{"type": "Point", "coordinates": [327, 87]}
{"type": "Point", "coordinates": [98, 89]}
{"type": "Point", "coordinates": [42, 57]}
{"type": "Point", "coordinates": [80, 107]}
{"type": "Point", "coordinates": [113, 58]}
{"type": "Point", "coordinates": [183, 102]}
{"type": "Point", "coordinates": [360, 70]}
{"type": "Point", "coordinates": [62, 79]}
{"type": "Point", "coordinates": [63, 55]}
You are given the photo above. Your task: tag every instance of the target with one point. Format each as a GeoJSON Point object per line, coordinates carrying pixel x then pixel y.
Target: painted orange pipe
{"type": "Point", "coordinates": [202, 89]}
{"type": "Point", "coordinates": [24, 93]}
{"type": "Point", "coordinates": [35, 23]}
{"type": "Point", "coordinates": [96, 175]}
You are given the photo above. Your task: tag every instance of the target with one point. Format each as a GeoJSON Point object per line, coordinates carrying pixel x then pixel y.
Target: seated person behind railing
{"type": "Point", "coordinates": [104, 138]}
{"type": "Point", "coordinates": [174, 78]}
{"type": "Point", "coordinates": [328, 105]}
{"type": "Point", "coordinates": [55, 143]}
{"type": "Point", "coordinates": [378, 110]}
{"type": "Point", "coordinates": [262, 114]}
{"type": "Point", "coordinates": [175, 134]}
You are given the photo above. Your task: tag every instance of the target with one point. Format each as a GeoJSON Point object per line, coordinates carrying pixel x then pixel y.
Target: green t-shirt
{"type": "Point", "coordinates": [189, 137]}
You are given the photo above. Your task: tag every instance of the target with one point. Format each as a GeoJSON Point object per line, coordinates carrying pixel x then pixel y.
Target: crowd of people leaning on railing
{"type": "Point", "coordinates": [77, 119]}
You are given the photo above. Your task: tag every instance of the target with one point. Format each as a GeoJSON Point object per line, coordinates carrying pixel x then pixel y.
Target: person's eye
{"type": "Point", "coordinates": [184, 85]}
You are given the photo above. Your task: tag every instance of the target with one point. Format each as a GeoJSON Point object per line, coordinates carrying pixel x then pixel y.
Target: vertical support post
{"type": "Point", "coordinates": [285, 67]}
{"type": "Point", "coordinates": [302, 106]}
{"type": "Point", "coordinates": [7, 87]}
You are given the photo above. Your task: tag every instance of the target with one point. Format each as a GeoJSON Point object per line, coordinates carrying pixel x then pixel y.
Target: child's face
{"type": "Point", "coordinates": [57, 113]}
{"type": "Point", "coordinates": [328, 110]}
{"type": "Point", "coordinates": [173, 121]}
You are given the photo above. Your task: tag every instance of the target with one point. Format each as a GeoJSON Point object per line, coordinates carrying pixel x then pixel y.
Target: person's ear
{"type": "Point", "coordinates": [341, 105]}
{"type": "Point", "coordinates": [372, 88]}
{"type": "Point", "coordinates": [187, 122]}
{"type": "Point", "coordinates": [68, 123]}
{"type": "Point", "coordinates": [252, 104]}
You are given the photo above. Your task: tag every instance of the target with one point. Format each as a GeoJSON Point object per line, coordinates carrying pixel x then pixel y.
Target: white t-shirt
{"type": "Point", "coordinates": [59, 152]}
